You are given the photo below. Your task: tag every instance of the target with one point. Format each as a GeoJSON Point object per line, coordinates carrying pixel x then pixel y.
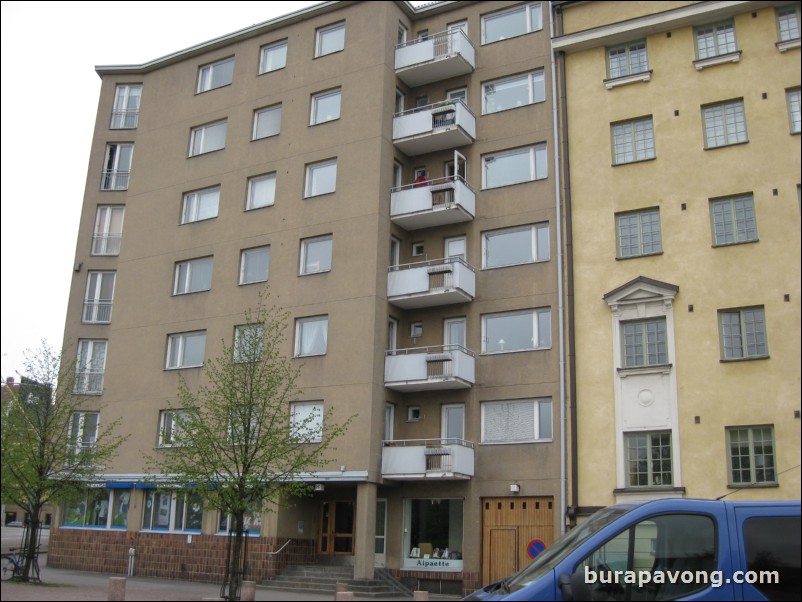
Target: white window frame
{"type": "Point", "coordinates": [275, 52]}
{"type": "Point", "coordinates": [306, 421]}
{"type": "Point", "coordinates": [255, 253]}
{"type": "Point", "coordinates": [768, 460]}
{"type": "Point", "coordinates": [644, 342]}
{"type": "Point", "coordinates": [539, 241]}
{"type": "Point", "coordinates": [80, 438]}
{"type": "Point", "coordinates": [111, 505]}
{"type": "Point", "coordinates": [97, 306]}
{"type": "Point", "coordinates": [117, 166]}
{"type": "Point", "coordinates": [733, 220]}
{"type": "Point", "coordinates": [445, 410]}
{"type": "Point", "coordinates": [108, 231]}
{"type": "Point", "coordinates": [319, 267]}
{"type": "Point", "coordinates": [638, 233]}
{"type": "Point", "coordinates": [176, 508]}
{"type": "Point", "coordinates": [651, 460]}
{"type": "Point", "coordinates": [200, 205]}
{"type": "Point", "coordinates": [633, 140]}
{"type": "Point", "coordinates": [320, 167]}
{"type": "Point", "coordinates": [252, 336]}
{"type": "Point", "coordinates": [198, 143]}
{"type": "Point", "coordinates": [635, 56]}
{"type": "Point", "coordinates": [125, 111]}
{"type": "Point", "coordinates": [322, 33]}
{"type": "Point", "coordinates": [541, 412]}
{"type": "Point", "coordinates": [301, 349]}
{"type": "Point", "coordinates": [318, 99]}
{"type": "Point", "coordinates": [535, 82]}
{"type": "Point", "coordinates": [742, 333]}
{"type": "Point", "coordinates": [90, 366]}
{"type": "Point", "coordinates": [183, 283]}
{"type": "Point", "coordinates": [261, 186]}
{"type": "Point", "coordinates": [207, 74]}
{"type": "Point", "coordinates": [539, 340]}
{"type": "Point", "coordinates": [724, 123]}
{"type": "Point", "coordinates": [268, 119]}
{"type": "Point", "coordinates": [533, 13]}
{"type": "Point", "coordinates": [177, 349]}
{"type": "Point", "coordinates": [538, 165]}
{"type": "Point", "coordinates": [167, 420]}
{"type": "Point", "coordinates": [719, 39]}
{"type": "Point", "coordinates": [252, 518]}
{"type": "Point", "coordinates": [788, 18]}
{"type": "Point", "coordinates": [415, 330]}
{"type": "Point", "coordinates": [792, 97]}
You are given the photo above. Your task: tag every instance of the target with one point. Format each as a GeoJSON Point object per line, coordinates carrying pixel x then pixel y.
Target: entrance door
{"type": "Point", "coordinates": [336, 536]}
{"type": "Point", "coordinates": [380, 550]}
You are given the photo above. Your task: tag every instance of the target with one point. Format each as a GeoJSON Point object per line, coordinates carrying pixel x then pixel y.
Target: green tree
{"type": "Point", "coordinates": [233, 438]}
{"type": "Point", "coordinates": [44, 460]}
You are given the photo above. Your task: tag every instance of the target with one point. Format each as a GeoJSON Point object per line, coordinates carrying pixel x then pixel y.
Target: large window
{"type": "Point", "coordinates": [330, 39]}
{"type": "Point", "coordinates": [117, 166]}
{"type": "Point", "coordinates": [254, 265]}
{"type": "Point", "coordinates": [316, 254]}
{"type": "Point", "coordinates": [724, 124]}
{"type": "Point", "coordinates": [325, 106]}
{"type": "Point", "coordinates": [512, 22]}
{"type": "Point", "coordinates": [751, 455]}
{"type": "Point", "coordinates": [108, 230]}
{"type": "Point", "coordinates": [515, 91]}
{"type": "Point", "coordinates": [83, 431]}
{"type": "Point", "coordinates": [433, 534]}
{"type": "Point", "coordinates": [171, 425]}
{"type": "Point", "coordinates": [200, 205]}
{"type": "Point", "coordinates": [321, 178]}
{"type": "Point", "coordinates": [515, 246]}
{"type": "Point", "coordinates": [715, 40]}
{"type": "Point", "coordinates": [306, 421]}
{"type": "Point", "coordinates": [172, 511]}
{"type": "Point", "coordinates": [627, 59]}
{"type": "Point", "coordinates": [311, 336]}
{"type": "Point", "coordinates": [207, 138]}
{"type": "Point", "coordinates": [648, 458]}
{"type": "Point", "coordinates": [644, 343]}
{"type": "Point", "coordinates": [216, 75]}
{"type": "Point", "coordinates": [638, 233]}
{"type": "Point", "coordinates": [743, 333]}
{"type": "Point", "coordinates": [99, 297]}
{"type": "Point", "coordinates": [193, 276]}
{"type": "Point", "coordinates": [788, 22]}
{"type": "Point", "coordinates": [186, 349]}
{"type": "Point", "coordinates": [125, 114]}
{"type": "Point", "coordinates": [252, 523]}
{"type": "Point", "coordinates": [261, 191]}
{"type": "Point", "coordinates": [514, 166]}
{"type": "Point", "coordinates": [266, 122]}
{"type": "Point", "coordinates": [516, 421]}
{"type": "Point", "coordinates": [249, 342]}
{"type": "Point", "coordinates": [516, 331]}
{"type": "Point", "coordinates": [273, 57]}
{"type": "Point", "coordinates": [733, 220]}
{"type": "Point", "coordinates": [99, 509]}
{"type": "Point", "coordinates": [90, 367]}
{"type": "Point", "coordinates": [793, 99]}
{"type": "Point", "coordinates": [633, 141]}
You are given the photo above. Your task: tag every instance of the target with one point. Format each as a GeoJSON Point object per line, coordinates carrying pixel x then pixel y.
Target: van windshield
{"type": "Point", "coordinates": [553, 555]}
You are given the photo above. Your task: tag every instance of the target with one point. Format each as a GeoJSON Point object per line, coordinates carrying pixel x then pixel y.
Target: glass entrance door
{"type": "Point", "coordinates": [380, 555]}
{"type": "Point", "coordinates": [336, 536]}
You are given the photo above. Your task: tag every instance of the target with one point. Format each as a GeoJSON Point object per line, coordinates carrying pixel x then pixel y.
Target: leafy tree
{"type": "Point", "coordinates": [43, 461]}
{"type": "Point", "coordinates": [233, 439]}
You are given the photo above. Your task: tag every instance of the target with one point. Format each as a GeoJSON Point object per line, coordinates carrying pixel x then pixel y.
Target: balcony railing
{"type": "Point", "coordinates": [439, 126]}
{"type": "Point", "coordinates": [97, 312]}
{"type": "Point", "coordinates": [434, 58]}
{"type": "Point", "coordinates": [115, 180]}
{"type": "Point", "coordinates": [431, 283]}
{"type": "Point", "coordinates": [435, 368]}
{"type": "Point", "coordinates": [106, 244]}
{"type": "Point", "coordinates": [436, 202]}
{"type": "Point", "coordinates": [124, 120]}
{"type": "Point", "coordinates": [88, 382]}
{"type": "Point", "coordinates": [428, 458]}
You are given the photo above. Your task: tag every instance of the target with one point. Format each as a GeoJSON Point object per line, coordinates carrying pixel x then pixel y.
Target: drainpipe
{"type": "Point", "coordinates": [131, 555]}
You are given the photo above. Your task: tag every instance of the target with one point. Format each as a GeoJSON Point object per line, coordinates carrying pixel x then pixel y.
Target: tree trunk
{"type": "Point", "coordinates": [236, 562]}
{"type": "Point", "coordinates": [31, 544]}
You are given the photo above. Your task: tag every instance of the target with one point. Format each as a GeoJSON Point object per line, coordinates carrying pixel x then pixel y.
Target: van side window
{"type": "Point", "coordinates": [772, 544]}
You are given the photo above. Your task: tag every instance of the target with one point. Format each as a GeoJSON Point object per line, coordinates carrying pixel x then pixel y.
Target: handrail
{"type": "Point", "coordinates": [281, 549]}
{"type": "Point", "coordinates": [433, 36]}
{"type": "Point", "coordinates": [429, 349]}
{"type": "Point", "coordinates": [430, 262]}
{"type": "Point", "coordinates": [434, 182]}
{"type": "Point", "coordinates": [436, 105]}
{"type": "Point", "coordinates": [427, 442]}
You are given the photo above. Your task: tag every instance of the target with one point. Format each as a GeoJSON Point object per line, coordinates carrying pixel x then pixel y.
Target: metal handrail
{"type": "Point", "coordinates": [449, 32]}
{"type": "Point", "coordinates": [427, 442]}
{"type": "Point", "coordinates": [436, 105]}
{"type": "Point", "coordinates": [433, 182]}
{"type": "Point", "coordinates": [430, 262]}
{"type": "Point", "coordinates": [281, 549]}
{"type": "Point", "coordinates": [429, 349]}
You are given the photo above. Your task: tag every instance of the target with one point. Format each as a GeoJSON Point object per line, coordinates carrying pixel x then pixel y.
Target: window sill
{"type": "Point", "coordinates": [505, 109]}
{"type": "Point", "coordinates": [735, 360]}
{"type": "Point", "coordinates": [253, 282]}
{"type": "Point", "coordinates": [489, 353]}
{"type": "Point", "coordinates": [271, 71]}
{"type": "Point", "coordinates": [635, 161]}
{"type": "Point", "coordinates": [217, 150]}
{"type": "Point", "coordinates": [265, 137]}
{"type": "Point", "coordinates": [320, 56]}
{"type": "Point", "coordinates": [511, 37]}
{"type": "Point", "coordinates": [657, 254]}
{"type": "Point", "coordinates": [314, 196]}
{"type": "Point", "coordinates": [730, 57]}
{"type": "Point", "coordinates": [213, 89]}
{"type": "Point", "coordinates": [523, 442]}
{"type": "Point", "coordinates": [709, 148]}
{"type": "Point", "coordinates": [734, 244]}
{"type": "Point", "coordinates": [311, 125]}
{"type": "Point", "coordinates": [788, 44]}
{"type": "Point", "coordinates": [655, 489]}
{"type": "Point", "coordinates": [640, 370]}
{"type": "Point", "coordinates": [174, 368]}
{"type": "Point", "coordinates": [500, 186]}
{"type": "Point", "coordinates": [623, 80]}
{"type": "Point", "coordinates": [753, 486]}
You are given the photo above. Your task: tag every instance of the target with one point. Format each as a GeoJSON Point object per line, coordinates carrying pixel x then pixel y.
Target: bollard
{"type": "Point", "coordinates": [116, 588]}
{"type": "Point", "coordinates": [344, 596]}
{"type": "Point", "coordinates": [420, 595]}
{"type": "Point", "coordinates": [248, 591]}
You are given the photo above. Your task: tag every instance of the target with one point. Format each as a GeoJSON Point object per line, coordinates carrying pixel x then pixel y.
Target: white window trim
{"type": "Point", "coordinates": [535, 313]}
{"type": "Point", "coordinates": [77, 438]}
{"type": "Point", "coordinates": [536, 430]}
{"type": "Point", "coordinates": [299, 327]}
{"type": "Point", "coordinates": [535, 151]}
{"type": "Point", "coordinates": [94, 369]}
{"type": "Point", "coordinates": [106, 243]}
{"type": "Point", "coordinates": [206, 75]}
{"type": "Point", "coordinates": [536, 231]}
{"type": "Point", "coordinates": [116, 176]}
{"type": "Point", "coordinates": [528, 9]}
{"type": "Point", "coordinates": [264, 52]}
{"type": "Point", "coordinates": [532, 78]}
{"type": "Point", "coordinates": [201, 131]}
{"type": "Point", "coordinates": [312, 425]}
{"type": "Point", "coordinates": [173, 511]}
{"type": "Point", "coordinates": [628, 436]}
{"type": "Point", "coordinates": [792, 99]}
{"type": "Point", "coordinates": [310, 175]}
{"type": "Point", "coordinates": [444, 421]}
{"type": "Point", "coordinates": [336, 92]}
{"type": "Point", "coordinates": [242, 271]}
{"type": "Point", "coordinates": [254, 334]}
{"type": "Point", "coordinates": [180, 339]}
{"type": "Point", "coordinates": [250, 205]}
{"type": "Point", "coordinates": [303, 269]}
{"type": "Point", "coordinates": [191, 205]}
{"type": "Point", "coordinates": [321, 32]}
{"type": "Point", "coordinates": [96, 309]}
{"type": "Point", "coordinates": [646, 343]}
{"type": "Point", "coordinates": [120, 112]}
{"type": "Point", "coordinates": [265, 111]}
{"type": "Point", "coordinates": [174, 428]}
{"type": "Point", "coordinates": [183, 288]}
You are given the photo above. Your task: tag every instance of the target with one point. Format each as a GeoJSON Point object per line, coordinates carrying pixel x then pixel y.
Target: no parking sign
{"type": "Point", "coordinates": [535, 547]}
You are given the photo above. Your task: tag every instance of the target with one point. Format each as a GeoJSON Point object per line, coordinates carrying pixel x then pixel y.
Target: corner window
{"type": "Point", "coordinates": [733, 220]}
{"type": "Point", "coordinates": [751, 455]}
{"type": "Point", "coordinates": [648, 458]}
{"type": "Point", "coordinates": [108, 230]}
{"type": "Point", "coordinates": [99, 297]}
{"type": "Point", "coordinates": [633, 141]}
{"type": "Point", "coordinates": [311, 336]}
{"type": "Point", "coordinates": [193, 276]}
{"type": "Point", "coordinates": [515, 246]}
{"type": "Point", "coordinates": [273, 57]}
{"type": "Point", "coordinates": [316, 255]}
{"type": "Point", "coordinates": [724, 124]}
{"type": "Point", "coordinates": [266, 122]}
{"type": "Point", "coordinates": [715, 40]}
{"type": "Point", "coordinates": [207, 138]}
{"type": "Point", "coordinates": [254, 265]}
{"type": "Point", "coordinates": [261, 191]}
{"type": "Point", "coordinates": [306, 421]}
{"type": "Point", "coordinates": [321, 178]}
{"type": "Point", "coordinates": [793, 99]}
{"type": "Point", "coordinates": [200, 205]}
{"type": "Point", "coordinates": [516, 421]}
{"type": "Point", "coordinates": [329, 39]}
{"type": "Point", "coordinates": [325, 106]}
{"type": "Point", "coordinates": [117, 166]}
{"type": "Point", "coordinates": [186, 350]}
{"type": "Point", "coordinates": [638, 233]}
{"type": "Point", "coordinates": [743, 333]}
{"type": "Point", "coordinates": [512, 92]}
{"type": "Point", "coordinates": [644, 343]}
{"type": "Point", "coordinates": [125, 114]}
{"type": "Point", "coordinates": [171, 424]}
{"type": "Point", "coordinates": [627, 59]}
{"type": "Point", "coordinates": [516, 331]}
{"type": "Point", "coordinates": [215, 75]}
{"type": "Point", "coordinates": [90, 367]}
{"type": "Point", "coordinates": [172, 511]}
{"type": "Point", "coordinates": [249, 342]}
{"type": "Point", "coordinates": [512, 22]}
{"type": "Point", "coordinates": [513, 167]}
{"type": "Point", "coordinates": [99, 509]}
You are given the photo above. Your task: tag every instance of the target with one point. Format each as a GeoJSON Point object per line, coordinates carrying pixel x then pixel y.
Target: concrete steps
{"type": "Point", "coordinates": [324, 579]}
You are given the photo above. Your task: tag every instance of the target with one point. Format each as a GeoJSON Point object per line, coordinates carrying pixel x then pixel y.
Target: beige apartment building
{"type": "Point", "coordinates": [389, 173]}
{"type": "Point", "coordinates": [682, 185]}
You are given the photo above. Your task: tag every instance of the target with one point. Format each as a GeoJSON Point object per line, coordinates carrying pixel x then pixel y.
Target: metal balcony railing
{"type": "Point", "coordinates": [88, 382]}
{"type": "Point", "coordinates": [124, 120]}
{"type": "Point", "coordinates": [106, 244]}
{"type": "Point", "coordinates": [97, 312]}
{"type": "Point", "coordinates": [115, 180]}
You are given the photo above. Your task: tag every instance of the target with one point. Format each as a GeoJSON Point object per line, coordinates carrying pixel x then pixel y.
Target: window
{"type": "Point", "coordinates": [99, 297]}
{"type": "Point", "coordinates": [788, 22]}
{"type": "Point", "coordinates": [515, 91]}
{"type": "Point", "coordinates": [648, 458]}
{"type": "Point", "coordinates": [516, 421]}
{"type": "Point", "coordinates": [743, 333]}
{"type": "Point", "coordinates": [751, 455]}
{"type": "Point", "coordinates": [266, 122]}
{"type": "Point", "coordinates": [252, 523]}
{"type": "Point", "coordinates": [91, 510]}
{"type": "Point", "coordinates": [515, 166]}
{"type": "Point", "coordinates": [172, 511]}
{"type": "Point", "coordinates": [627, 59]}
{"type": "Point", "coordinates": [273, 57]}
{"type": "Point", "coordinates": [715, 40]}
{"type": "Point", "coordinates": [433, 534]}
{"type": "Point", "coordinates": [325, 106]}
{"type": "Point", "coordinates": [216, 75]}
{"type": "Point", "coordinates": [261, 191]}
{"type": "Point", "coordinates": [83, 431]}
{"type": "Point", "coordinates": [186, 349]}
{"type": "Point", "coordinates": [515, 21]}
{"type": "Point", "coordinates": [90, 366]}
{"type": "Point", "coordinates": [514, 246]}
{"type": "Point", "coordinates": [311, 336]}
{"type": "Point", "coordinates": [638, 233]}
{"type": "Point", "coordinates": [200, 205]}
{"type": "Point", "coordinates": [415, 330]}
{"type": "Point", "coordinates": [316, 255]}
{"type": "Point", "coordinates": [254, 265]}
{"type": "Point", "coordinates": [793, 98]}
{"type": "Point", "coordinates": [724, 124]}
{"type": "Point", "coordinates": [193, 276]}
{"type": "Point", "coordinates": [108, 230]}
{"type": "Point", "coordinates": [644, 343]}
{"type": "Point", "coordinates": [452, 423]}
{"type": "Point", "coordinates": [418, 248]}
{"type": "Point", "coordinates": [117, 166]}
{"type": "Point", "coordinates": [321, 178]}
{"type": "Point", "coordinates": [171, 427]}
{"type": "Point", "coordinates": [733, 220]}
{"type": "Point", "coordinates": [330, 39]}
{"type": "Point", "coordinates": [207, 138]}
{"type": "Point", "coordinates": [125, 114]}
{"type": "Point", "coordinates": [516, 331]}
{"type": "Point", "coordinates": [633, 141]}
{"type": "Point", "coordinates": [249, 342]}
{"type": "Point", "coordinates": [306, 421]}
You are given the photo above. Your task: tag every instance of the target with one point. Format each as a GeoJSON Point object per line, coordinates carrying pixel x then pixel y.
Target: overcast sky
{"type": "Point", "coordinates": [49, 101]}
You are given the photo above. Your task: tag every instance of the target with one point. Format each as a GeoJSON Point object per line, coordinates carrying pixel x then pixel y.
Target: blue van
{"type": "Point", "coordinates": [671, 549]}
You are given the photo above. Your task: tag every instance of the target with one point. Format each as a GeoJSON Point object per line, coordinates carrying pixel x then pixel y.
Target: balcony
{"type": "Point", "coordinates": [428, 458]}
{"type": "Point", "coordinates": [434, 58]}
{"type": "Point", "coordinates": [437, 368]}
{"type": "Point", "coordinates": [440, 126]}
{"type": "Point", "coordinates": [432, 203]}
{"type": "Point", "coordinates": [431, 283]}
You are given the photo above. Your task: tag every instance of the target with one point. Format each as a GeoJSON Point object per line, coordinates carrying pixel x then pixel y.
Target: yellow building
{"type": "Point", "coordinates": [681, 124]}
